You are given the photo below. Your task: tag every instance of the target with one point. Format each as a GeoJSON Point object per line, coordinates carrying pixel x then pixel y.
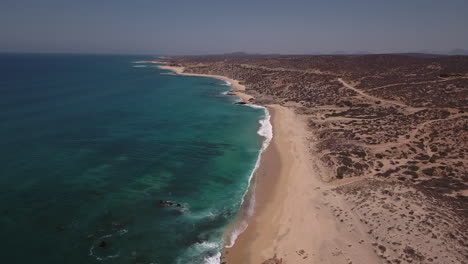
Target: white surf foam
{"type": "Point", "coordinates": [206, 246]}
{"type": "Point", "coordinates": [139, 66]}
{"type": "Point", "coordinates": [207, 252]}
{"type": "Point", "coordinates": [266, 131]}
{"type": "Point", "coordinates": [216, 259]}
{"type": "Point", "coordinates": [227, 83]}
{"type": "Point", "coordinates": [91, 250]}
{"type": "Point", "coordinates": [201, 215]}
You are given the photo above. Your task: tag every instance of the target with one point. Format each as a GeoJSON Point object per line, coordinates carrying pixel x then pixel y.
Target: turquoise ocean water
{"type": "Point", "coordinates": [89, 145]}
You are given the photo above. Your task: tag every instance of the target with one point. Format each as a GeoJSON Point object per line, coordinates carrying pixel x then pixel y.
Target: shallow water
{"type": "Point", "coordinates": [90, 144]}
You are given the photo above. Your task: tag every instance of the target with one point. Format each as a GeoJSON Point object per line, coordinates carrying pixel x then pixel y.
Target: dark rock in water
{"type": "Point", "coordinates": [240, 103]}
{"type": "Point", "coordinates": [231, 93]}
{"type": "Point", "coordinates": [103, 244]}
{"type": "Point", "coordinates": [164, 203]}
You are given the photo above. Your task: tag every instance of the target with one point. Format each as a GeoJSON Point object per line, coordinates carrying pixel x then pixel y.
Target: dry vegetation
{"type": "Point", "coordinates": [398, 123]}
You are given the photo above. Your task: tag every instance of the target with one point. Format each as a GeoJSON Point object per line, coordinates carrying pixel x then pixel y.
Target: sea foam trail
{"type": "Point", "coordinates": [266, 131]}
{"type": "Point", "coordinates": [210, 251]}
{"type": "Point", "coordinates": [216, 259]}
{"type": "Point", "coordinates": [226, 83]}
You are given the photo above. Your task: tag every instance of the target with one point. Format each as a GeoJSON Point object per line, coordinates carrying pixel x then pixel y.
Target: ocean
{"type": "Point", "coordinates": [105, 159]}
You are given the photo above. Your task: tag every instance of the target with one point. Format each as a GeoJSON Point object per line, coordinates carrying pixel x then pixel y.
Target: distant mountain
{"type": "Point", "coordinates": [244, 54]}
{"type": "Point", "coordinates": [418, 53]}
{"type": "Point", "coordinates": [431, 52]}
{"type": "Point", "coordinates": [362, 52]}
{"type": "Point", "coordinates": [458, 52]}
{"type": "Point", "coordinates": [340, 52]}
{"type": "Point", "coordinates": [238, 53]}
{"type": "Point", "coordinates": [421, 55]}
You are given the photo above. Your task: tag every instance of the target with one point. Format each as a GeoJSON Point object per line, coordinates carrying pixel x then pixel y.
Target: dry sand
{"type": "Point", "coordinates": [293, 216]}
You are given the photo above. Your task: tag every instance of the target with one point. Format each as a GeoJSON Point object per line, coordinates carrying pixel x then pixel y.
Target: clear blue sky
{"type": "Point", "coordinates": [202, 26]}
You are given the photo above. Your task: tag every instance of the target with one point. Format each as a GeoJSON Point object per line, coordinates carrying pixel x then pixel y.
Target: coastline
{"type": "Point", "coordinates": [292, 220]}
{"type": "Point", "coordinates": [235, 84]}
{"type": "Point", "coordinates": [334, 188]}
{"type": "Point", "coordinates": [287, 214]}
{"type": "Point", "coordinates": [248, 204]}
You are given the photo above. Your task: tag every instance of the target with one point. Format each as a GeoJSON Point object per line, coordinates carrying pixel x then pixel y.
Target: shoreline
{"type": "Point", "coordinates": [293, 216]}
{"type": "Point", "coordinates": [334, 188]}
{"type": "Point", "coordinates": [248, 204]}
{"type": "Point", "coordinates": [236, 86]}
{"type": "Point", "coordinates": [293, 221]}
{"type": "Point", "coordinates": [247, 208]}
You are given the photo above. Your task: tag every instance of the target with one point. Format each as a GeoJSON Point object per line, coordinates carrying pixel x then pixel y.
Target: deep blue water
{"type": "Point", "coordinates": [90, 144]}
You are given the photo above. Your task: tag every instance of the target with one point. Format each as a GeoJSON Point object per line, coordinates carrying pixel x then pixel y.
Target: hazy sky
{"type": "Point", "coordinates": [200, 27]}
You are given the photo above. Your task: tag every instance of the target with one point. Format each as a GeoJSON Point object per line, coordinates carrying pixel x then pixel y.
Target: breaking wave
{"type": "Point", "coordinates": [266, 131]}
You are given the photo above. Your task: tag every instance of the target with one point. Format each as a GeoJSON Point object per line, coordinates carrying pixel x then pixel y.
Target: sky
{"type": "Point", "coordinates": [211, 27]}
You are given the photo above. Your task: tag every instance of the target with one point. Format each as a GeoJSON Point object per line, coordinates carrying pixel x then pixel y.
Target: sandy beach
{"type": "Point", "coordinates": [294, 219]}
{"type": "Point", "coordinates": [234, 132]}
{"type": "Point", "coordinates": [363, 167]}
{"type": "Point", "coordinates": [293, 216]}
{"type": "Point", "coordinates": [236, 86]}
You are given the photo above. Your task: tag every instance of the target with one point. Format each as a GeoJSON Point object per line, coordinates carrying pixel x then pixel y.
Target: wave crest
{"type": "Point", "coordinates": [227, 83]}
